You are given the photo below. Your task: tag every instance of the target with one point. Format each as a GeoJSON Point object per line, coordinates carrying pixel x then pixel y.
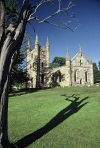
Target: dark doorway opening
{"type": "Point", "coordinates": [42, 79]}
{"type": "Point", "coordinates": [86, 76]}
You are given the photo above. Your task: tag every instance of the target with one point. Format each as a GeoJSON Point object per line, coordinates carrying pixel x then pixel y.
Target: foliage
{"type": "Point", "coordinates": [18, 73]}
{"type": "Point", "coordinates": [99, 65]}
{"type": "Point", "coordinates": [11, 13]}
{"type": "Point", "coordinates": [96, 72]}
{"type": "Point", "coordinates": [56, 78]}
{"type": "Point", "coordinates": [53, 65]}
{"type": "Point", "coordinates": [35, 110]}
{"type": "Point", "coordinates": [59, 61]}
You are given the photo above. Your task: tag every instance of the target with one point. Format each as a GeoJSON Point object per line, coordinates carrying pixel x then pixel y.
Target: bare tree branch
{"type": "Point", "coordinates": [66, 25]}
{"type": "Point", "coordinates": [37, 7]}
{"type": "Point", "coordinates": [59, 4]}
{"type": "Point", "coordinates": [70, 5]}
{"type": "Point", "coordinates": [62, 27]}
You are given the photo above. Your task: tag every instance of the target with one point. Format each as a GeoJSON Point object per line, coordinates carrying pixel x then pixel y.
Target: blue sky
{"type": "Point", "coordinates": [87, 34]}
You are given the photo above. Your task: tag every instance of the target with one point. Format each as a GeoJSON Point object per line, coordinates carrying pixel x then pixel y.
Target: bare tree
{"type": "Point", "coordinates": [10, 42]}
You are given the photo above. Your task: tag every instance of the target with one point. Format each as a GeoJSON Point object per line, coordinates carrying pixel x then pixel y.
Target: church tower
{"type": "Point", "coordinates": [48, 52]}
{"type": "Point", "coordinates": [68, 69]}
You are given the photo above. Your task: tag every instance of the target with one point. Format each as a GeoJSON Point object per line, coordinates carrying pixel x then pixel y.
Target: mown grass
{"type": "Point", "coordinates": [55, 118]}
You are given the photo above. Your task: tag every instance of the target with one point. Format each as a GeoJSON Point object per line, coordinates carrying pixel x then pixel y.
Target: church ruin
{"type": "Point", "coordinates": [77, 71]}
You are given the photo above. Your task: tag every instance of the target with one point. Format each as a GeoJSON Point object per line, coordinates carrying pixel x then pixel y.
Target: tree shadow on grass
{"type": "Point", "coordinates": [26, 91]}
{"type": "Point", "coordinates": [75, 105]}
{"type": "Point", "coordinates": [23, 92]}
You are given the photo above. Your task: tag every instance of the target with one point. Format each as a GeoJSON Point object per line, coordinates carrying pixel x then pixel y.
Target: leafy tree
{"type": "Point", "coordinates": [11, 12]}
{"type": "Point", "coordinates": [59, 61]}
{"type": "Point", "coordinates": [96, 73]}
{"type": "Point", "coordinates": [11, 38]}
{"type": "Point", "coordinates": [18, 73]}
{"type": "Point", "coordinates": [53, 65]}
{"type": "Point", "coordinates": [99, 65]}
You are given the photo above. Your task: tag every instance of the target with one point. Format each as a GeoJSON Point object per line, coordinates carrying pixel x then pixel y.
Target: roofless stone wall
{"type": "Point", "coordinates": [76, 72]}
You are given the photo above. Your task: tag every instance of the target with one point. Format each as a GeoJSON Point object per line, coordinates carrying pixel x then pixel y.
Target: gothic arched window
{"type": "Point", "coordinates": [42, 78]}
{"type": "Point", "coordinates": [80, 62]}
{"type": "Point", "coordinates": [75, 75]}
{"type": "Point", "coordinates": [42, 64]}
{"type": "Point", "coordinates": [86, 76]}
{"type": "Point", "coordinates": [59, 78]}
{"type": "Point", "coordinates": [80, 81]}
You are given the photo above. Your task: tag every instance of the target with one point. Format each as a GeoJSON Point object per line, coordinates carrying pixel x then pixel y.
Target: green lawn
{"type": "Point", "coordinates": [55, 118]}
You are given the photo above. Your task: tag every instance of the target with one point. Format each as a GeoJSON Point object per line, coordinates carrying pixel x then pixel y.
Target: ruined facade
{"type": "Point", "coordinates": [76, 71]}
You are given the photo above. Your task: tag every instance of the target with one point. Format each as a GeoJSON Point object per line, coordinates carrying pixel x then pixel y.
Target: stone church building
{"type": "Point", "coordinates": [77, 71]}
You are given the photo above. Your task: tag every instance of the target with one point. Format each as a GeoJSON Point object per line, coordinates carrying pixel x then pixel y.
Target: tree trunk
{"type": "Point", "coordinates": [10, 44]}
{"type": "Point", "coordinates": [8, 49]}
{"type": "Point", "coordinates": [4, 117]}
{"type": "Point", "coordinates": [1, 19]}
{"type": "Point", "coordinates": [4, 110]}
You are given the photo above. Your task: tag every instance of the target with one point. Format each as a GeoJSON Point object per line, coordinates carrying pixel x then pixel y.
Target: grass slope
{"type": "Point", "coordinates": [56, 118]}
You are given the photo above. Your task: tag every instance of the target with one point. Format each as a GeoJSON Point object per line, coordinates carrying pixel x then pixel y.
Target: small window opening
{"type": "Point", "coordinates": [42, 78]}
{"type": "Point", "coordinates": [75, 76]}
{"type": "Point", "coordinates": [86, 76]}
{"type": "Point", "coordinates": [42, 64]}
{"type": "Point", "coordinates": [80, 62]}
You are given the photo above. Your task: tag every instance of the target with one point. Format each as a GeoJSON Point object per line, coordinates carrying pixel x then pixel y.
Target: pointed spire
{"type": "Point", "coordinates": [67, 55]}
{"type": "Point", "coordinates": [36, 42]}
{"type": "Point", "coordinates": [47, 43]}
{"type": "Point", "coordinates": [28, 46]}
{"type": "Point", "coordinates": [37, 39]}
{"type": "Point", "coordinates": [90, 59]}
{"type": "Point", "coordinates": [80, 49]}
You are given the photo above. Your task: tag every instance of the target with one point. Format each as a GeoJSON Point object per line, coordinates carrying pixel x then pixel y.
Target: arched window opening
{"type": "Point", "coordinates": [80, 62]}
{"type": "Point", "coordinates": [42, 64]}
{"type": "Point", "coordinates": [59, 78]}
{"type": "Point", "coordinates": [86, 76]}
{"type": "Point", "coordinates": [75, 75]}
{"type": "Point", "coordinates": [33, 65]}
{"type": "Point", "coordinates": [80, 81]}
{"type": "Point", "coordinates": [42, 78]}
{"type": "Point", "coordinates": [30, 66]}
